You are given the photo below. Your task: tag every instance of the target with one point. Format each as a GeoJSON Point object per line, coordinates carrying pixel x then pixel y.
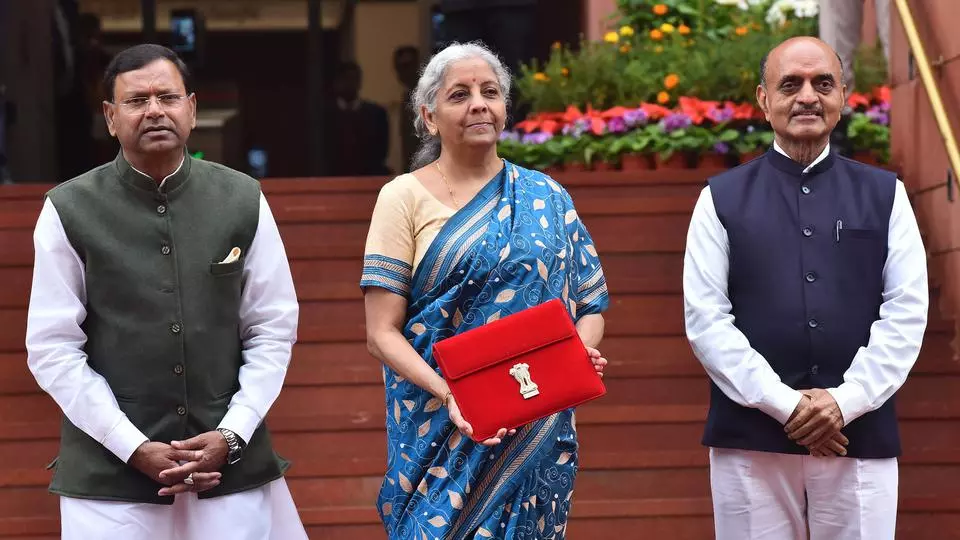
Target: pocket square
{"type": "Point", "coordinates": [232, 256]}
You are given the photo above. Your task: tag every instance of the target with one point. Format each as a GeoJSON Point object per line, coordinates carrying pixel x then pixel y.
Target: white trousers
{"type": "Point", "coordinates": [765, 496]}
{"type": "Point", "coordinates": [840, 25]}
{"type": "Point", "coordinates": [265, 513]}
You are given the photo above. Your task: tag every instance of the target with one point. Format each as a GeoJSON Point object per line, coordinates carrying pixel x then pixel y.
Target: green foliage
{"type": "Point", "coordinates": [867, 136]}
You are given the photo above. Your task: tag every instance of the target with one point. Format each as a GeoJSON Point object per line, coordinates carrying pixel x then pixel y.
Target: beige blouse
{"type": "Point", "coordinates": [406, 220]}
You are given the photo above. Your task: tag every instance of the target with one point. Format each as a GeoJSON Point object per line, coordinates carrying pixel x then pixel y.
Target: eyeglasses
{"type": "Point", "coordinates": [166, 101]}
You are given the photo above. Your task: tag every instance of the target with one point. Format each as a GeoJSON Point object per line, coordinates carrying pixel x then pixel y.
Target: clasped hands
{"type": "Point", "coordinates": [599, 362]}
{"type": "Point", "coordinates": [202, 458]}
{"type": "Point", "coordinates": [816, 423]}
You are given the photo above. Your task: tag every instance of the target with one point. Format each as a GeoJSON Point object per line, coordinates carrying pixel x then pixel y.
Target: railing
{"type": "Point", "coordinates": [933, 91]}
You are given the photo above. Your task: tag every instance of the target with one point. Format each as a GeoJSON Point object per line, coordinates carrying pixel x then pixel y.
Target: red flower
{"type": "Point", "coordinates": [882, 94]}
{"type": "Point", "coordinates": [857, 100]}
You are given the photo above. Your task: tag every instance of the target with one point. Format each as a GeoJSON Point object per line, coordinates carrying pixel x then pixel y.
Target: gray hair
{"type": "Point", "coordinates": [431, 79]}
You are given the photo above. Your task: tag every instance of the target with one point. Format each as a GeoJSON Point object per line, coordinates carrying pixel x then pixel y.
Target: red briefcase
{"type": "Point", "coordinates": [518, 369]}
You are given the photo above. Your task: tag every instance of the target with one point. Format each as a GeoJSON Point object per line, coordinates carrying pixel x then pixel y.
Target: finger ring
{"type": "Point", "coordinates": [188, 480]}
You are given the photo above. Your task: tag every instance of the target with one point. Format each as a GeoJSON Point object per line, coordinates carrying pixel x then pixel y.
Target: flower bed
{"type": "Point", "coordinates": [674, 87]}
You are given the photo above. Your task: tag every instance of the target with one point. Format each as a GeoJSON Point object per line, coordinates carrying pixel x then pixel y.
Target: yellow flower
{"type": "Point", "coordinates": [667, 28]}
{"type": "Point", "coordinates": [565, 72]}
{"type": "Point", "coordinates": [658, 49]}
{"type": "Point", "coordinates": [663, 98]}
{"type": "Point", "coordinates": [656, 34]}
{"type": "Point", "coordinates": [611, 37]}
{"type": "Point", "coordinates": [540, 76]}
{"type": "Point", "coordinates": [683, 29]}
{"type": "Point", "coordinates": [660, 9]}
{"type": "Point", "coordinates": [626, 31]}
{"type": "Point", "coordinates": [556, 45]}
{"type": "Point", "coordinates": [742, 30]}
{"type": "Point", "coordinates": [670, 81]}
{"type": "Point", "coordinates": [625, 48]}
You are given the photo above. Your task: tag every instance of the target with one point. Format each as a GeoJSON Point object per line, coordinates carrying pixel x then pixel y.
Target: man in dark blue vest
{"type": "Point", "coordinates": [805, 292]}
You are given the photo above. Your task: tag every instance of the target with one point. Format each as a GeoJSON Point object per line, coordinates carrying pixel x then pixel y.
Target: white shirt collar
{"type": "Point", "coordinates": [821, 157]}
{"type": "Point", "coordinates": [169, 175]}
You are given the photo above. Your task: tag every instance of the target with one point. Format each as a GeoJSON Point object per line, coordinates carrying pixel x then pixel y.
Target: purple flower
{"type": "Point", "coordinates": [635, 116]}
{"type": "Point", "coordinates": [884, 107]}
{"type": "Point", "coordinates": [721, 148]}
{"type": "Point", "coordinates": [538, 137]}
{"type": "Point", "coordinates": [720, 115]}
{"type": "Point", "coordinates": [674, 122]}
{"type": "Point", "coordinates": [617, 125]}
{"type": "Point", "coordinates": [507, 135]}
{"type": "Point", "coordinates": [878, 116]}
{"type": "Point", "coordinates": [576, 129]}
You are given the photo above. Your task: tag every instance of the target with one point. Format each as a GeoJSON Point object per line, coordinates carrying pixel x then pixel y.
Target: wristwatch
{"type": "Point", "coordinates": [235, 445]}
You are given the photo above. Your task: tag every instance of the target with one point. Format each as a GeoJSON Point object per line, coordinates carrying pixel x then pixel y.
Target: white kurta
{"type": "Point", "coordinates": [269, 316]}
{"type": "Point", "coordinates": [877, 371]}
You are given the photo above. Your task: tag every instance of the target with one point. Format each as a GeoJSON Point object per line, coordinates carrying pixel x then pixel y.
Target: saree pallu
{"type": "Point", "coordinates": [517, 244]}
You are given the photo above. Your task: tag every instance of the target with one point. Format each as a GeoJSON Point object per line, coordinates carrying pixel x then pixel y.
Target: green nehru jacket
{"type": "Point", "coordinates": [162, 323]}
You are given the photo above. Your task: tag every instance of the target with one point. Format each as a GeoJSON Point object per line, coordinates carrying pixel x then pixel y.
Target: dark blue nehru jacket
{"type": "Point", "coordinates": [807, 252]}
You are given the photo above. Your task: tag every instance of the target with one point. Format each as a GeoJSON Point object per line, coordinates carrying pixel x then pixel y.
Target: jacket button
{"type": "Point", "coordinates": [175, 328]}
{"type": "Point", "coordinates": [181, 410]}
{"type": "Point", "coordinates": [805, 190]}
{"type": "Point", "coordinates": [178, 369]}
{"type": "Point", "coordinates": [814, 369]}
{"type": "Point", "coordinates": [810, 277]}
{"type": "Point", "coordinates": [807, 231]}
{"type": "Point", "coordinates": [165, 250]}
{"type": "Point", "coordinates": [161, 209]}
{"type": "Point", "coordinates": [813, 323]}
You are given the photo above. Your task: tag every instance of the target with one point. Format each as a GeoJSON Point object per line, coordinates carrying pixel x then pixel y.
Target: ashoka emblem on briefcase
{"type": "Point", "coordinates": [528, 388]}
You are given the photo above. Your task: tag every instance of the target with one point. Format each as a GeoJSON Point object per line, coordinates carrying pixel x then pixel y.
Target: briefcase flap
{"type": "Point", "coordinates": [504, 339]}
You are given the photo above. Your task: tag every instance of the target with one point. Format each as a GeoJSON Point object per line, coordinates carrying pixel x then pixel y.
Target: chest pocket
{"type": "Point", "coordinates": [863, 252]}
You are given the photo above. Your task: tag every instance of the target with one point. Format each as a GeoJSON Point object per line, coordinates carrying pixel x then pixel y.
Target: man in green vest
{"type": "Point", "coordinates": [161, 321]}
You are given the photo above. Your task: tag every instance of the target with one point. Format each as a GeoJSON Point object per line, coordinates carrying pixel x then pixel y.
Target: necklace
{"type": "Point", "coordinates": [446, 183]}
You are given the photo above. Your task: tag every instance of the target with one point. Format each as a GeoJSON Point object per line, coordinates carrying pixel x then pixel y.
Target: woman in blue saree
{"type": "Point", "coordinates": [466, 239]}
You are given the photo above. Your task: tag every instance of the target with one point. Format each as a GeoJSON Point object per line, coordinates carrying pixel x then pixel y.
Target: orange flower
{"type": "Point", "coordinates": [557, 45]}
{"type": "Point", "coordinates": [683, 29]}
{"type": "Point", "coordinates": [565, 72]}
{"type": "Point", "coordinates": [656, 34]}
{"type": "Point", "coordinates": [625, 48]}
{"type": "Point", "coordinates": [540, 76]}
{"type": "Point", "coordinates": [671, 81]}
{"type": "Point", "coordinates": [660, 9]}
{"type": "Point", "coordinates": [663, 98]}
{"type": "Point", "coordinates": [742, 30]}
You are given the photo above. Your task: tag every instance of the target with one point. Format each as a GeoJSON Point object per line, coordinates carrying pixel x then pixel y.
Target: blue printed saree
{"type": "Point", "coordinates": [517, 244]}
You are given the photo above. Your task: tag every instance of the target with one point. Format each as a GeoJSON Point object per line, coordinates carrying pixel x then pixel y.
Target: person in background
{"type": "Point", "coordinates": [406, 63]}
{"type": "Point", "coordinates": [465, 239]}
{"type": "Point", "coordinates": [358, 131]}
{"type": "Point", "coordinates": [805, 295]}
{"type": "Point", "coordinates": [161, 320]}
{"type": "Point", "coordinates": [841, 22]}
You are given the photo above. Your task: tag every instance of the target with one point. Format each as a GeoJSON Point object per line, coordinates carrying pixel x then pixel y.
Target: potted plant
{"type": "Point", "coordinates": [717, 155]}
{"type": "Point", "coordinates": [752, 143]}
{"type": "Point", "coordinates": [869, 136]}
{"type": "Point", "coordinates": [681, 143]}
{"type": "Point", "coordinates": [636, 148]}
